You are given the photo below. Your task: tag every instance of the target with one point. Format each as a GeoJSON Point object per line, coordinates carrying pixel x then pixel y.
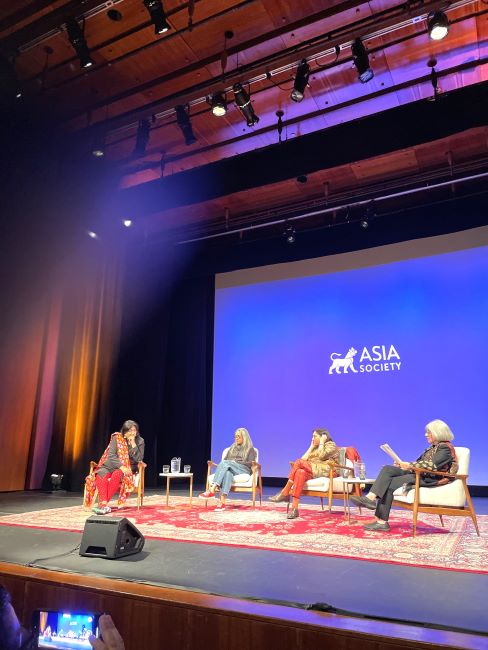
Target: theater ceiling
{"type": "Point", "coordinates": [144, 99]}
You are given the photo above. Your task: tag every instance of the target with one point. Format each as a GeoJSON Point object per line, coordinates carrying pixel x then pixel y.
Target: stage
{"type": "Point", "coordinates": [450, 599]}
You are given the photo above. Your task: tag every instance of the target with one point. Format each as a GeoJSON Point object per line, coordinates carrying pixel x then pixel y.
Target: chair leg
{"type": "Point", "coordinates": [416, 503]}
{"type": "Point", "coordinates": [442, 521]}
{"type": "Point", "coordinates": [322, 502]}
{"type": "Point", "coordinates": [254, 495]}
{"type": "Point", "coordinates": [471, 508]}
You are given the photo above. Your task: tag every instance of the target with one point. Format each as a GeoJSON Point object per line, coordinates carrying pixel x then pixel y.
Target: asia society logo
{"type": "Point", "coordinates": [379, 358]}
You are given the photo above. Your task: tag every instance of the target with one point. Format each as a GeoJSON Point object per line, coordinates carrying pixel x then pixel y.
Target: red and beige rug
{"type": "Point", "coordinates": [456, 547]}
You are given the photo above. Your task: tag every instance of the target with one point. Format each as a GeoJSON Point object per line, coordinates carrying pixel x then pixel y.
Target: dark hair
{"type": "Point", "coordinates": [128, 424]}
{"type": "Point", "coordinates": [323, 432]}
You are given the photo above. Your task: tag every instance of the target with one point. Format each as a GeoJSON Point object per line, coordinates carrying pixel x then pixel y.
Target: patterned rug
{"type": "Point", "coordinates": [455, 547]}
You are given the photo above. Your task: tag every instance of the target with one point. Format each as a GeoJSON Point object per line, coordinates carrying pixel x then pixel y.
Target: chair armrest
{"type": "Point", "coordinates": [210, 463]}
{"type": "Point", "coordinates": [421, 470]}
{"type": "Point", "coordinates": [141, 465]}
{"type": "Point", "coordinates": [255, 465]}
{"type": "Point", "coordinates": [93, 464]}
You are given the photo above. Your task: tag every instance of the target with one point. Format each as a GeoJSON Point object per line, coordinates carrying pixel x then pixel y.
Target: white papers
{"type": "Point", "coordinates": [388, 450]}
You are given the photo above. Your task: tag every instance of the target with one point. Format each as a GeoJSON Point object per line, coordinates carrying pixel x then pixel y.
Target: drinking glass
{"type": "Point", "coordinates": [186, 469]}
{"type": "Point", "coordinates": [165, 469]}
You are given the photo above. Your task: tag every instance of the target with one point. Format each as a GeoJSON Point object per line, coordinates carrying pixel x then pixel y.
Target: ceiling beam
{"type": "Point", "coordinates": [382, 92]}
{"type": "Point", "coordinates": [398, 128]}
{"type": "Point", "coordinates": [282, 58]}
{"type": "Point", "coordinates": [46, 24]}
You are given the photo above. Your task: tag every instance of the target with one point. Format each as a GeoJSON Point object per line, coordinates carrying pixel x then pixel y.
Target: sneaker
{"type": "Point", "coordinates": [278, 498]}
{"type": "Point", "coordinates": [221, 506]}
{"type": "Point", "coordinates": [376, 525]}
{"type": "Point", "coordinates": [102, 511]}
{"type": "Point", "coordinates": [293, 514]}
{"type": "Point", "coordinates": [208, 494]}
{"type": "Point", "coordinates": [364, 502]}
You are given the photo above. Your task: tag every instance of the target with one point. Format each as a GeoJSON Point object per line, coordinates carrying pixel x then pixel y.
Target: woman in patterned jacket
{"type": "Point", "coordinates": [115, 469]}
{"type": "Point", "coordinates": [317, 461]}
{"type": "Point", "coordinates": [440, 456]}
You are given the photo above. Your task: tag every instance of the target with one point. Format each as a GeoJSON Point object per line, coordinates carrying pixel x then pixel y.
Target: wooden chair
{"type": "Point", "coordinates": [452, 499]}
{"type": "Point", "coordinates": [138, 482]}
{"type": "Point", "coordinates": [242, 482]}
{"type": "Point", "coordinates": [324, 488]}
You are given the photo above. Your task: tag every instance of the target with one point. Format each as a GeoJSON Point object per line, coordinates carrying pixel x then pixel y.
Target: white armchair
{"type": "Point", "coordinates": [324, 488]}
{"type": "Point", "coordinates": [242, 482]}
{"type": "Point", "coordinates": [452, 499]}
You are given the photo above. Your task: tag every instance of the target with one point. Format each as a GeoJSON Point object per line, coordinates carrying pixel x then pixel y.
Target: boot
{"type": "Point", "coordinates": [293, 514]}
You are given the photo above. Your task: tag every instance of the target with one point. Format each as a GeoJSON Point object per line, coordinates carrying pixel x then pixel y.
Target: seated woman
{"type": "Point", "coordinates": [238, 460]}
{"type": "Point", "coordinates": [317, 461]}
{"type": "Point", "coordinates": [115, 469]}
{"type": "Point", "coordinates": [440, 456]}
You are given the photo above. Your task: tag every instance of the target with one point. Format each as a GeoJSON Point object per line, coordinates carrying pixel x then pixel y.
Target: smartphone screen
{"type": "Point", "coordinates": [65, 630]}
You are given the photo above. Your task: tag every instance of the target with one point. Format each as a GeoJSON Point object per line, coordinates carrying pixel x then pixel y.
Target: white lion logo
{"type": "Point", "coordinates": [346, 363]}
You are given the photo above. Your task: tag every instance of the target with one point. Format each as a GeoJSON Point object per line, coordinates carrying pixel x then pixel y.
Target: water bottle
{"type": "Point", "coordinates": [175, 465]}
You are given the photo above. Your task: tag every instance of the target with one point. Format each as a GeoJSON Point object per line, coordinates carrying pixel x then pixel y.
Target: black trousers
{"type": "Point", "coordinates": [389, 479]}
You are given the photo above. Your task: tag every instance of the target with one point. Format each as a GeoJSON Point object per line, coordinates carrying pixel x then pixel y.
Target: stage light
{"type": "Point", "coordinates": [56, 480]}
{"type": "Point", "coordinates": [92, 234]}
{"type": "Point", "coordinates": [364, 223]}
{"type": "Point", "coordinates": [438, 25]}
{"type": "Point", "coordinates": [301, 81]}
{"type": "Point", "coordinates": [142, 137]}
{"type": "Point", "coordinates": [243, 103]}
{"type": "Point", "coordinates": [76, 35]}
{"type": "Point", "coordinates": [218, 104]}
{"type": "Point", "coordinates": [289, 235]}
{"type": "Point", "coordinates": [98, 146]}
{"type": "Point", "coordinates": [361, 61]}
{"type": "Point", "coordinates": [183, 120]}
{"type": "Point", "coordinates": [127, 223]}
{"type": "Point", "coordinates": [158, 16]}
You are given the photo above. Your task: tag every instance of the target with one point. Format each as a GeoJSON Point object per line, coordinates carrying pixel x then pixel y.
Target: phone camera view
{"type": "Point", "coordinates": [66, 630]}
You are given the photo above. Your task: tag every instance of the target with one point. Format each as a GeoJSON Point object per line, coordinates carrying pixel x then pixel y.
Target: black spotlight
{"type": "Point", "coordinates": [76, 35]}
{"type": "Point", "coordinates": [361, 61]}
{"type": "Point", "coordinates": [301, 81]}
{"type": "Point", "coordinates": [289, 235]}
{"type": "Point", "coordinates": [56, 480]}
{"type": "Point", "coordinates": [158, 16]}
{"type": "Point", "coordinates": [438, 25]}
{"type": "Point", "coordinates": [183, 120]}
{"type": "Point", "coordinates": [218, 104]}
{"type": "Point", "coordinates": [243, 102]}
{"type": "Point", "coordinates": [142, 137]}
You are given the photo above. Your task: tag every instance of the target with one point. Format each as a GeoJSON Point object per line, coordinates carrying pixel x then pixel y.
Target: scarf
{"type": "Point", "coordinates": [127, 484]}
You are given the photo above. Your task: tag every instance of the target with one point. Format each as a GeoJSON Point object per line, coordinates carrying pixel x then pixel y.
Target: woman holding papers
{"type": "Point", "coordinates": [439, 457]}
{"type": "Point", "coordinates": [317, 461]}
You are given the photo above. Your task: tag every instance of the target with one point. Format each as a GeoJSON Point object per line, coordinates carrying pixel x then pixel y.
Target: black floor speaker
{"type": "Point", "coordinates": [110, 538]}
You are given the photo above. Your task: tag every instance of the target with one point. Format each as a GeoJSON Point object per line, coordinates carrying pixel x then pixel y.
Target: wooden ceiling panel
{"type": "Point", "coordinates": [138, 74]}
{"type": "Point", "coordinates": [401, 162]}
{"type": "Point", "coordinates": [245, 23]}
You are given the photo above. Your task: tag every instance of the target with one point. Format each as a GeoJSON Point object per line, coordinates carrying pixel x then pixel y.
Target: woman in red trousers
{"type": "Point", "coordinates": [317, 461]}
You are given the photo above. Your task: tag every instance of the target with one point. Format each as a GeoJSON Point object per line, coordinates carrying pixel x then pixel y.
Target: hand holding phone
{"type": "Point", "coordinates": [111, 637]}
{"type": "Point", "coordinates": [64, 630]}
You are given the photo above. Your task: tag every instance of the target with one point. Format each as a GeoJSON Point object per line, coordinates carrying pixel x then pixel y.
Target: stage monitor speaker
{"type": "Point", "coordinates": [110, 538]}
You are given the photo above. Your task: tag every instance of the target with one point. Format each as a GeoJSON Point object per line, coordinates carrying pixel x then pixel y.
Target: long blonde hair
{"type": "Point", "coordinates": [246, 441]}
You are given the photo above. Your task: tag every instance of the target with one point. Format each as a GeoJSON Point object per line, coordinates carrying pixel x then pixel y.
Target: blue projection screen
{"type": "Point", "coordinates": [371, 345]}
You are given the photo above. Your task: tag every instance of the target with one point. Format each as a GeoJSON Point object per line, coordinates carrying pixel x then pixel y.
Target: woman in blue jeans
{"type": "Point", "coordinates": [238, 460]}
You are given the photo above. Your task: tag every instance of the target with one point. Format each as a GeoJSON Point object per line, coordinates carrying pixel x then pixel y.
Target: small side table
{"type": "Point", "coordinates": [169, 476]}
{"type": "Point", "coordinates": [346, 482]}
